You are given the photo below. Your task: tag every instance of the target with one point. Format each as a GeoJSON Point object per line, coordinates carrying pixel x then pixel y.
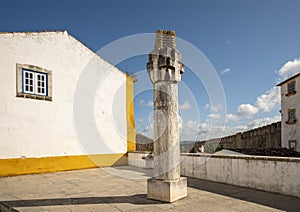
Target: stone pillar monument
{"type": "Point", "coordinates": [165, 69]}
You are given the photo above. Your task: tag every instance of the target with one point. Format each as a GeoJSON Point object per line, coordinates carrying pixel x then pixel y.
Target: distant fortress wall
{"type": "Point", "coordinates": [268, 136]}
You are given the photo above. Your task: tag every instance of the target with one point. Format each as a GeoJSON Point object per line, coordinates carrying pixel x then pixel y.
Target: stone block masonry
{"type": "Point", "coordinates": [268, 136]}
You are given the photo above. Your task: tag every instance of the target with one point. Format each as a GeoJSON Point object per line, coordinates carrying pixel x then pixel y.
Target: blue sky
{"type": "Point", "coordinates": [252, 45]}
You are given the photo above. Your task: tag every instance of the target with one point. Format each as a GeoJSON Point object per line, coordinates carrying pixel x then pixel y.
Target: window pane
{"type": "Point", "coordinates": [34, 83]}
{"type": "Point", "coordinates": [291, 116]}
{"type": "Point", "coordinates": [291, 87]}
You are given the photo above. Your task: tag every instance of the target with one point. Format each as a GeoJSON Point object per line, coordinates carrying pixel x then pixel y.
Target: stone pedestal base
{"type": "Point", "coordinates": [166, 191]}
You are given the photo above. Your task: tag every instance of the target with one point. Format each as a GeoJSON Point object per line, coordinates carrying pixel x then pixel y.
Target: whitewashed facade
{"type": "Point", "coordinates": [290, 113]}
{"type": "Point", "coordinates": [39, 75]}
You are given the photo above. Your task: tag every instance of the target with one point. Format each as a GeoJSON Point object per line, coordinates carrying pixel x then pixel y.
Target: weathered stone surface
{"type": "Point", "coordinates": [265, 137]}
{"type": "Point", "coordinates": [166, 191]}
{"type": "Point", "coordinates": [166, 132]}
{"type": "Point", "coordinates": [165, 69]}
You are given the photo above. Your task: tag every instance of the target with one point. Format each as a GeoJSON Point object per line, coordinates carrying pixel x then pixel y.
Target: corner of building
{"type": "Point", "coordinates": [131, 131]}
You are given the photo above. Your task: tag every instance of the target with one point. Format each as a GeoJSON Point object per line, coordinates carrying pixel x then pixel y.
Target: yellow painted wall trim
{"type": "Point", "coordinates": [19, 166]}
{"type": "Point", "coordinates": [131, 131]}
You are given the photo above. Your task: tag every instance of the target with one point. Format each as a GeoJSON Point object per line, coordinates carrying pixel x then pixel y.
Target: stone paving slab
{"type": "Point", "coordinates": [124, 189]}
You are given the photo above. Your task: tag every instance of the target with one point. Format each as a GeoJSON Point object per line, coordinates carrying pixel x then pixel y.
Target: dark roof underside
{"type": "Point", "coordinates": [285, 81]}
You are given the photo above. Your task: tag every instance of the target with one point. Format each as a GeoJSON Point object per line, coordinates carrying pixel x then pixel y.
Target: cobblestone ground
{"type": "Point", "coordinates": [124, 189]}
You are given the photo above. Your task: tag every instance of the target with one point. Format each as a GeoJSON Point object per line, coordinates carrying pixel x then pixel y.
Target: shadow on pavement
{"type": "Point", "coordinates": [278, 201]}
{"type": "Point", "coordinates": [138, 199]}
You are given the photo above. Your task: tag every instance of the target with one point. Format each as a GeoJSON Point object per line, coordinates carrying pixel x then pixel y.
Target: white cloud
{"type": "Point", "coordinates": [185, 106]}
{"type": "Point", "coordinates": [189, 130]}
{"type": "Point", "coordinates": [262, 122]}
{"type": "Point", "coordinates": [194, 130]}
{"type": "Point", "coordinates": [265, 102]}
{"type": "Point", "coordinates": [259, 122]}
{"type": "Point", "coordinates": [231, 118]}
{"type": "Point", "coordinates": [213, 115]}
{"type": "Point", "coordinates": [144, 103]}
{"type": "Point", "coordinates": [191, 124]}
{"type": "Point", "coordinates": [289, 69]}
{"type": "Point", "coordinates": [213, 109]}
{"type": "Point", "coordinates": [226, 70]}
{"type": "Point", "coordinates": [247, 110]}
{"type": "Point", "coordinates": [203, 126]}
{"type": "Point", "coordinates": [268, 100]}
{"type": "Point", "coordinates": [211, 131]}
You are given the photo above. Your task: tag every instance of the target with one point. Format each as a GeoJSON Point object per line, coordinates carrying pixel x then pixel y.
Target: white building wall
{"type": "Point", "coordinates": [290, 131]}
{"type": "Point", "coordinates": [37, 128]}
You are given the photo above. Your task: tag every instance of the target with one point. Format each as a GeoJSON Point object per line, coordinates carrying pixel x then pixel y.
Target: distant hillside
{"type": "Point", "coordinates": [143, 143]}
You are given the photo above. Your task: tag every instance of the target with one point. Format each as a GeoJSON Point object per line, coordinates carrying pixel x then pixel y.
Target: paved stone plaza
{"type": "Point", "coordinates": [124, 189]}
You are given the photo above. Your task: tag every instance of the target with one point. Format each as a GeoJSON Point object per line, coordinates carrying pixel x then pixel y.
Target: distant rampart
{"type": "Point", "coordinates": [268, 136]}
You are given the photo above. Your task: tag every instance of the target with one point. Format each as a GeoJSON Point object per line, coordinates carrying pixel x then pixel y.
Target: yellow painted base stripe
{"type": "Point", "coordinates": [131, 131]}
{"type": "Point", "coordinates": [10, 167]}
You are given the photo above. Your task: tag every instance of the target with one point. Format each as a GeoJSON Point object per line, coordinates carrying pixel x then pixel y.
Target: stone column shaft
{"type": "Point", "coordinates": [166, 131]}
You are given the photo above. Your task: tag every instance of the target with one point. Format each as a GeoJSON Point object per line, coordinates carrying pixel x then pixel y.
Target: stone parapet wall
{"type": "Point", "coordinates": [273, 174]}
{"type": "Point", "coordinates": [140, 159]}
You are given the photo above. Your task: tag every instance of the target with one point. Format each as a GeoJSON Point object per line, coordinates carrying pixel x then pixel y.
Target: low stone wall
{"type": "Point", "coordinates": [273, 174]}
{"type": "Point", "coordinates": [140, 159]}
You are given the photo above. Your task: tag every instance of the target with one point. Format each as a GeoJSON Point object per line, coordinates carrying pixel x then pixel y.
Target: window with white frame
{"type": "Point", "coordinates": [34, 82]}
